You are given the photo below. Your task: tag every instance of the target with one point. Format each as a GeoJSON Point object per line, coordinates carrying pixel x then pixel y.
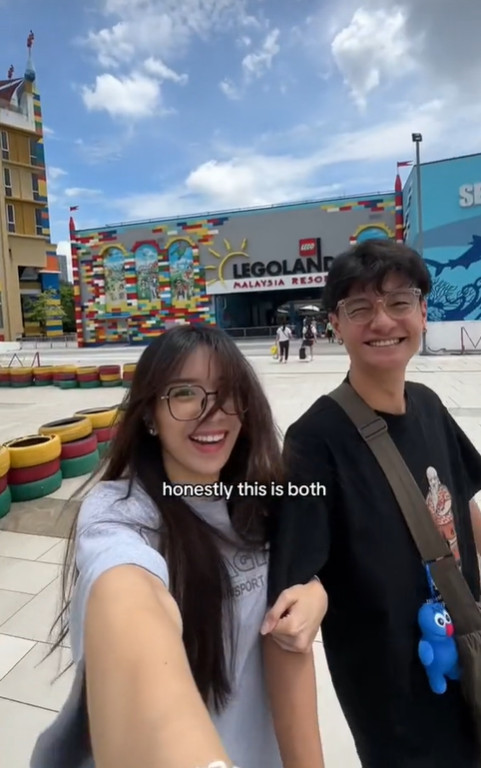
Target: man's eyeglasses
{"type": "Point", "coordinates": [188, 402]}
{"type": "Point", "coordinates": [396, 304]}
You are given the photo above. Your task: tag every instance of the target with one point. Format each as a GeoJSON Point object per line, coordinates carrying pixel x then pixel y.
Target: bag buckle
{"type": "Point", "coordinates": [373, 429]}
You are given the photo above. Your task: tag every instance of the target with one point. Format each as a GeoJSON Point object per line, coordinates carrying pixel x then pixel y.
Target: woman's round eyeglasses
{"type": "Point", "coordinates": [396, 304]}
{"type": "Point", "coordinates": [188, 402]}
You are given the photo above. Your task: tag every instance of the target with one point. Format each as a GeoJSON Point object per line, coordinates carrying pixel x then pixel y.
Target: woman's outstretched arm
{"type": "Point", "coordinates": [291, 685]}
{"type": "Point", "coordinates": [143, 704]}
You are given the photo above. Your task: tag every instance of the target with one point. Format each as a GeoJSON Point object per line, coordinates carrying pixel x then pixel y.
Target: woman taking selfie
{"type": "Point", "coordinates": [169, 592]}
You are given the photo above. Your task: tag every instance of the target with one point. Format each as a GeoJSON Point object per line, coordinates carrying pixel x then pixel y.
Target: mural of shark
{"type": "Point", "coordinates": [471, 256]}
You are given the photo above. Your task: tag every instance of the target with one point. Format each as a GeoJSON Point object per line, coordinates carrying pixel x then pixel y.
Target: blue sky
{"type": "Point", "coordinates": [161, 107]}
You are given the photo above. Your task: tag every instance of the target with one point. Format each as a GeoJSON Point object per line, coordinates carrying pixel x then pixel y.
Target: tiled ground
{"type": "Point", "coordinates": [30, 564]}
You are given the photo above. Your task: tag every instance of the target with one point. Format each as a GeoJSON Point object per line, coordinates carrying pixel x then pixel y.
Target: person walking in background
{"type": "Point", "coordinates": [330, 333]}
{"type": "Point", "coordinates": [284, 335]}
{"type": "Point", "coordinates": [310, 337]}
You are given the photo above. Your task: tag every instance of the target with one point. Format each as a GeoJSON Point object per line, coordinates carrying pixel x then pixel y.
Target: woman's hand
{"type": "Point", "coordinates": [295, 618]}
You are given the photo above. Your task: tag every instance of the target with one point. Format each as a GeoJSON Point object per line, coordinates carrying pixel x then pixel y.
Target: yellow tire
{"type": "Point", "coordinates": [87, 370]}
{"type": "Point", "coordinates": [68, 430]}
{"type": "Point", "coordinates": [109, 377]}
{"type": "Point", "coordinates": [100, 418]}
{"type": "Point", "coordinates": [66, 369]}
{"type": "Point", "coordinates": [4, 460]}
{"type": "Point", "coordinates": [33, 450]}
{"type": "Point", "coordinates": [21, 371]}
{"type": "Point", "coordinates": [44, 369]}
{"type": "Point", "coordinates": [130, 367]}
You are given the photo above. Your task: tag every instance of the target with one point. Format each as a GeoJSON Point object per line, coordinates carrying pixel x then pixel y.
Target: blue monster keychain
{"type": "Point", "coordinates": [437, 648]}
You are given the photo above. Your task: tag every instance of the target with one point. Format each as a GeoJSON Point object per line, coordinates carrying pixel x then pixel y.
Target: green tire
{"type": "Point", "coordinates": [43, 383]}
{"type": "Point", "coordinates": [38, 489]}
{"type": "Point", "coordinates": [82, 465]}
{"type": "Point", "coordinates": [5, 502]}
{"type": "Point", "coordinates": [22, 385]}
{"type": "Point", "coordinates": [103, 448]}
{"type": "Point", "coordinates": [5, 384]}
{"type": "Point", "coordinates": [68, 384]}
{"type": "Point", "coordinates": [116, 383]}
{"type": "Point", "coordinates": [89, 384]}
{"type": "Point", "coordinates": [126, 384]}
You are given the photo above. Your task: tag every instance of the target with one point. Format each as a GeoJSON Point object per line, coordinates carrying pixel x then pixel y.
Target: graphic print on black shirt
{"type": "Point", "coordinates": [357, 541]}
{"type": "Point", "coordinates": [440, 504]}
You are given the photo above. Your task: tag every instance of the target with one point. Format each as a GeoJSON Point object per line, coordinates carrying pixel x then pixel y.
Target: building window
{"type": "Point", "coordinates": [4, 145]}
{"type": "Point", "coordinates": [35, 190]}
{"type": "Point", "coordinates": [11, 218]}
{"type": "Point", "coordinates": [38, 222]}
{"type": "Point", "coordinates": [33, 152]}
{"type": "Point", "coordinates": [7, 177]}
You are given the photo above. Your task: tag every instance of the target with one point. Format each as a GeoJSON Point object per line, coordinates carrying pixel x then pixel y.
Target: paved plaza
{"type": "Point", "coordinates": [32, 535]}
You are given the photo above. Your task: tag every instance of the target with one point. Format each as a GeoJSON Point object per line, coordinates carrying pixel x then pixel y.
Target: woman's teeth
{"type": "Point", "coordinates": [384, 343]}
{"type": "Point", "coordinates": [208, 438]}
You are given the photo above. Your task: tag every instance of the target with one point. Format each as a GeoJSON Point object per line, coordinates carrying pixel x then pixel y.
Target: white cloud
{"type": "Point", "coordinates": [257, 63]}
{"type": "Point", "coordinates": [55, 173]}
{"type": "Point", "coordinates": [157, 68]}
{"type": "Point", "coordinates": [134, 96]}
{"type": "Point", "coordinates": [47, 131]}
{"type": "Point", "coordinates": [373, 44]}
{"type": "Point", "coordinates": [81, 192]}
{"type": "Point", "coordinates": [230, 90]}
{"type": "Point", "coordinates": [143, 26]}
{"type": "Point", "coordinates": [383, 40]}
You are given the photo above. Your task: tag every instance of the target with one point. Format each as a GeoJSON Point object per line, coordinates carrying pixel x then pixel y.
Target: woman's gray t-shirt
{"type": "Point", "coordinates": [111, 531]}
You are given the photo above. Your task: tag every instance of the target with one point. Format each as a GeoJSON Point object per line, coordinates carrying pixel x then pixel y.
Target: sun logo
{"type": "Point", "coordinates": [224, 259]}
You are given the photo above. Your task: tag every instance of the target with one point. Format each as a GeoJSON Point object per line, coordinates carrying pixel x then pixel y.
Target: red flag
{"type": "Point", "coordinates": [74, 207]}
{"type": "Point", "coordinates": [404, 164]}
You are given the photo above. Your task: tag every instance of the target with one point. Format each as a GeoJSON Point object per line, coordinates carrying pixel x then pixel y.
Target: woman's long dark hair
{"type": "Point", "coordinates": [198, 576]}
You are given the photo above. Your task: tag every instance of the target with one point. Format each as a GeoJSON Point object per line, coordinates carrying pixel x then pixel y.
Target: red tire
{"type": "Point", "coordinates": [33, 474]}
{"type": "Point", "coordinates": [3, 483]}
{"type": "Point", "coordinates": [110, 370]}
{"type": "Point", "coordinates": [85, 377]}
{"type": "Point", "coordinates": [105, 435]}
{"type": "Point", "coordinates": [65, 377]}
{"type": "Point", "coordinates": [21, 379]}
{"type": "Point", "coordinates": [79, 448]}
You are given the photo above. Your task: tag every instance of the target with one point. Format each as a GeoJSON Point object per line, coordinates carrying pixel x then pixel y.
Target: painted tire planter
{"type": "Point", "coordinates": [5, 502]}
{"type": "Point", "coordinates": [33, 450]}
{"type": "Point", "coordinates": [43, 376]}
{"type": "Point", "coordinates": [5, 377]}
{"type": "Point", "coordinates": [79, 448]}
{"type": "Point", "coordinates": [100, 418]}
{"type": "Point", "coordinates": [21, 377]}
{"type": "Point", "coordinates": [3, 483]}
{"type": "Point", "coordinates": [68, 430]}
{"type": "Point", "coordinates": [128, 374]}
{"type": "Point", "coordinates": [106, 435]}
{"type": "Point", "coordinates": [73, 384]}
{"type": "Point", "coordinates": [4, 460]}
{"type": "Point", "coordinates": [110, 375]}
{"type": "Point", "coordinates": [65, 373]}
{"type": "Point", "coordinates": [37, 489]}
{"type": "Point", "coordinates": [103, 448]}
{"type": "Point", "coordinates": [82, 465]}
{"type": "Point", "coordinates": [33, 474]}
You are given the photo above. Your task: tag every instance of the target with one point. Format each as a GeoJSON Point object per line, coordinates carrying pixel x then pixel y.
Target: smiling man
{"type": "Point", "coordinates": [355, 538]}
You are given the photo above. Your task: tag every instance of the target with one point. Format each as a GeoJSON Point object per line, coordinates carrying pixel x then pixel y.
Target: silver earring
{"type": "Point", "coordinates": [152, 431]}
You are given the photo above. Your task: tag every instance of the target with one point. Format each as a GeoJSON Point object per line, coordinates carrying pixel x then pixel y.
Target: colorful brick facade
{"type": "Point", "coordinates": [133, 281]}
{"type": "Point", "coordinates": [144, 304]}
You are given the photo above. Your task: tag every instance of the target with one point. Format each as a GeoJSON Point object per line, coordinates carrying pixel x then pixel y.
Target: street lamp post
{"type": "Point", "coordinates": [417, 140]}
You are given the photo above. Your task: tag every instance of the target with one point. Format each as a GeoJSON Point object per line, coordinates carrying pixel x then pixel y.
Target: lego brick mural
{"type": "Point", "coordinates": [131, 285]}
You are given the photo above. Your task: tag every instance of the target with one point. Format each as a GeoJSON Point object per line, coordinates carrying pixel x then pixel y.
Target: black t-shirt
{"type": "Point", "coordinates": [355, 538]}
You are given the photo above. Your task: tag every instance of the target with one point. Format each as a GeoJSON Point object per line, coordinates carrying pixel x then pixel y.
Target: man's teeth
{"type": "Point", "coordinates": [208, 438]}
{"type": "Point", "coordinates": [384, 343]}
